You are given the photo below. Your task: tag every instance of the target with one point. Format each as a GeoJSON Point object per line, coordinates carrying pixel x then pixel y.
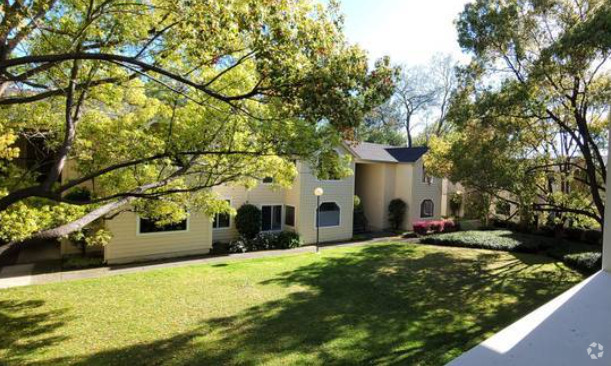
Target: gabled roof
{"type": "Point", "coordinates": [386, 153]}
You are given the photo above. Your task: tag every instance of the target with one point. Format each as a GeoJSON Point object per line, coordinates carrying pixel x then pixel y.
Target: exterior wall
{"type": "Point", "coordinates": [403, 190]}
{"type": "Point", "coordinates": [340, 191]}
{"type": "Point", "coordinates": [127, 245]}
{"type": "Point", "coordinates": [301, 196]}
{"type": "Point", "coordinates": [422, 191]}
{"type": "Point", "coordinates": [263, 194]}
{"type": "Point", "coordinates": [370, 186]}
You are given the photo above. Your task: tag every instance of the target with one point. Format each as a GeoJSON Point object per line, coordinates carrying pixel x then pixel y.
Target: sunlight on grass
{"type": "Point", "coordinates": [384, 303]}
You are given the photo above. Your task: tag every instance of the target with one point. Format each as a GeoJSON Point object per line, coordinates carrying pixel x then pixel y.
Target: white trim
{"type": "Point", "coordinates": [172, 232]}
{"type": "Point", "coordinates": [294, 216]}
{"type": "Point", "coordinates": [328, 227]}
{"type": "Point", "coordinates": [230, 220]}
{"type": "Point", "coordinates": [281, 216]}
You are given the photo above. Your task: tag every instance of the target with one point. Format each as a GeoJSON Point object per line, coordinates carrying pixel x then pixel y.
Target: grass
{"type": "Point", "coordinates": [391, 303]}
{"type": "Point", "coordinates": [584, 257]}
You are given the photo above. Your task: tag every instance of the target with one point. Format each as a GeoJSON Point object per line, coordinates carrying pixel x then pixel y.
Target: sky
{"type": "Point", "coordinates": [409, 31]}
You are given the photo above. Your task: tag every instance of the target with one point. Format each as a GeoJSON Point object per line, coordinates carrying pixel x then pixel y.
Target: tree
{"type": "Point", "coordinates": [150, 104]}
{"type": "Point", "coordinates": [414, 93]}
{"type": "Point", "coordinates": [382, 126]}
{"type": "Point", "coordinates": [530, 112]}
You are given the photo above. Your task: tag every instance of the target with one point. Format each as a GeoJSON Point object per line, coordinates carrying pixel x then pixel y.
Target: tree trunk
{"type": "Point", "coordinates": [67, 229]}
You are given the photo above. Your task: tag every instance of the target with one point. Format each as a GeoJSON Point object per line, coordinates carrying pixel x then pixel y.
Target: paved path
{"type": "Point", "coordinates": [22, 275]}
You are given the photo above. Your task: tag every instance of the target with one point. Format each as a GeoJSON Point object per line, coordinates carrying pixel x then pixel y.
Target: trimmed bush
{"type": "Point", "coordinates": [450, 226]}
{"type": "Point", "coordinates": [593, 237]}
{"type": "Point", "coordinates": [238, 246]}
{"type": "Point", "coordinates": [421, 227]}
{"type": "Point", "coordinates": [574, 233]}
{"type": "Point", "coordinates": [583, 257]}
{"type": "Point", "coordinates": [220, 248]}
{"type": "Point", "coordinates": [248, 221]}
{"type": "Point", "coordinates": [287, 240]}
{"type": "Point", "coordinates": [396, 213]}
{"type": "Point", "coordinates": [588, 262]}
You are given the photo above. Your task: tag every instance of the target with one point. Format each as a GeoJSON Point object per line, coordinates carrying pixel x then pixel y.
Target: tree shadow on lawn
{"type": "Point", "coordinates": [385, 304]}
{"type": "Point", "coordinates": [22, 331]}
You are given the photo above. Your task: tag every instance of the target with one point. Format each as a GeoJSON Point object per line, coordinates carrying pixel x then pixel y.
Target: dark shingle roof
{"type": "Point", "coordinates": [388, 154]}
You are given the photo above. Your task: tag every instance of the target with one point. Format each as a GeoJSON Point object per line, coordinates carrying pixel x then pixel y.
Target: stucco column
{"type": "Point", "coordinates": [607, 229]}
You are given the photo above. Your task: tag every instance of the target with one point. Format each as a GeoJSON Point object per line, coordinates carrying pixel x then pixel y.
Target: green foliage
{"type": "Point", "coordinates": [583, 257]}
{"type": "Point", "coordinates": [252, 95]}
{"type": "Point", "coordinates": [360, 221]}
{"type": "Point", "coordinates": [456, 200]}
{"type": "Point", "coordinates": [248, 221]}
{"type": "Point", "coordinates": [396, 213]}
{"type": "Point", "coordinates": [515, 106]}
{"type": "Point", "coordinates": [265, 241]}
{"type": "Point", "coordinates": [71, 262]}
{"type": "Point", "coordinates": [477, 206]}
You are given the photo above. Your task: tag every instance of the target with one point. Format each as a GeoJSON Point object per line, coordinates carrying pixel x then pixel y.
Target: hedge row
{"type": "Point", "coordinates": [434, 226]}
{"type": "Point", "coordinates": [588, 236]}
{"type": "Point", "coordinates": [584, 257]}
{"type": "Point", "coordinates": [262, 241]}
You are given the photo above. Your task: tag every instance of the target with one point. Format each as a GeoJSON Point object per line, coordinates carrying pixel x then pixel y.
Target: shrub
{"type": "Point", "coordinates": [220, 248]}
{"type": "Point", "coordinates": [450, 225]}
{"type": "Point", "coordinates": [262, 241]}
{"type": "Point", "coordinates": [574, 233]}
{"type": "Point", "coordinates": [588, 262]}
{"type": "Point", "coordinates": [421, 227]}
{"type": "Point", "coordinates": [593, 237]}
{"type": "Point", "coordinates": [455, 203]}
{"type": "Point", "coordinates": [360, 222]}
{"type": "Point", "coordinates": [436, 226]}
{"type": "Point", "coordinates": [396, 212]}
{"type": "Point", "coordinates": [238, 246]}
{"type": "Point", "coordinates": [79, 262]}
{"type": "Point", "coordinates": [287, 240]}
{"type": "Point", "coordinates": [248, 221]}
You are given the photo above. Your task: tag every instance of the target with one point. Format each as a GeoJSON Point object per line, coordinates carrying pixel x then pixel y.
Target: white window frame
{"type": "Point", "coordinates": [281, 216]}
{"type": "Point", "coordinates": [294, 216]}
{"type": "Point", "coordinates": [328, 227]}
{"type": "Point", "coordinates": [173, 232]}
{"type": "Point", "coordinates": [230, 220]}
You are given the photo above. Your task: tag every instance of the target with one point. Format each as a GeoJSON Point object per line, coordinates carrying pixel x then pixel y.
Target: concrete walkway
{"type": "Point", "coordinates": [23, 275]}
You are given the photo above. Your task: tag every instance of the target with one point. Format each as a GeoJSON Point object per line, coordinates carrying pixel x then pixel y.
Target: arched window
{"type": "Point", "coordinates": [427, 208]}
{"type": "Point", "coordinates": [329, 214]}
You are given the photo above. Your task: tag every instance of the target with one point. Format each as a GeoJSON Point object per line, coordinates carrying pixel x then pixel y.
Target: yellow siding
{"type": "Point", "coordinates": [340, 192]}
{"type": "Point", "coordinates": [404, 189]}
{"type": "Point", "coordinates": [129, 246]}
{"type": "Point", "coordinates": [422, 191]}
{"type": "Point", "coordinates": [263, 194]}
{"type": "Point", "coordinates": [369, 183]}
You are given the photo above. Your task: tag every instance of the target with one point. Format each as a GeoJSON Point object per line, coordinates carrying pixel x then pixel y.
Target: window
{"type": "Point", "coordinates": [427, 208]}
{"type": "Point", "coordinates": [147, 226]}
{"type": "Point", "coordinates": [222, 220]}
{"type": "Point", "coordinates": [329, 214]}
{"type": "Point", "coordinates": [271, 218]}
{"type": "Point", "coordinates": [289, 216]}
{"type": "Point", "coordinates": [268, 180]}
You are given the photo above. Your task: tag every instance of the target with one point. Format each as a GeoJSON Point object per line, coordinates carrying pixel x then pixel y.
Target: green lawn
{"type": "Point", "coordinates": [385, 304]}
